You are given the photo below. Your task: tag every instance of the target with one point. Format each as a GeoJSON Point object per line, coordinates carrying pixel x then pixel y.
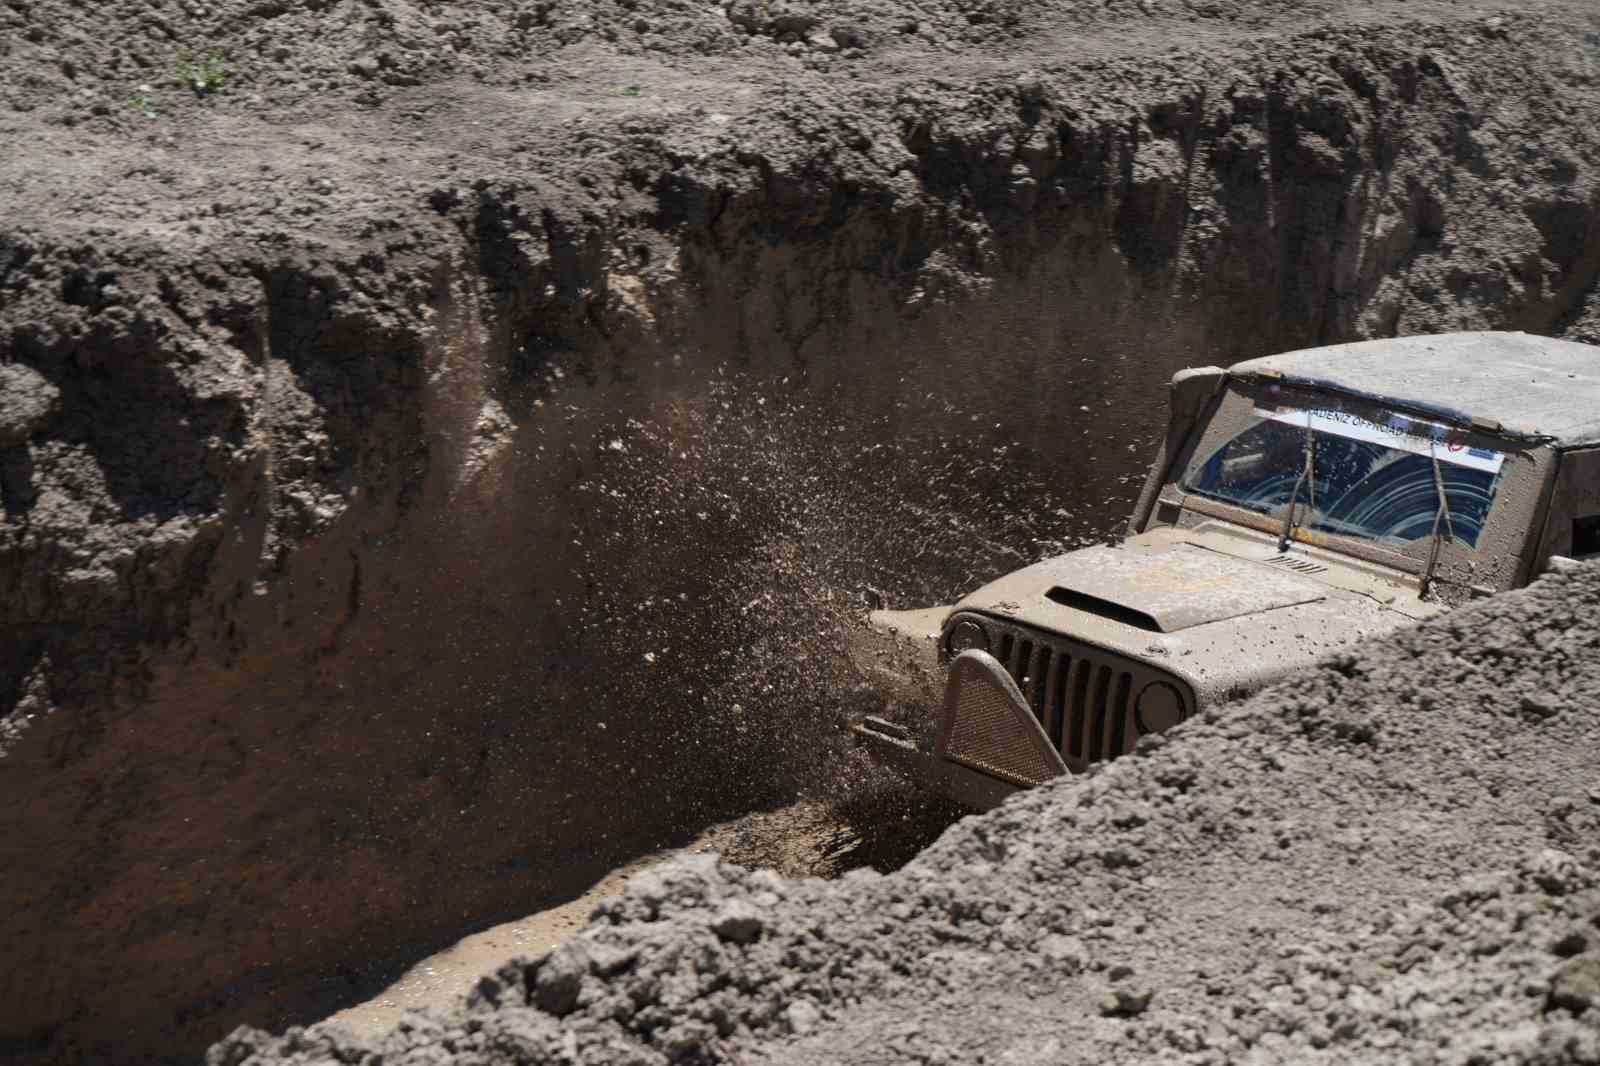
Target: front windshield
{"type": "Point", "coordinates": [1370, 479]}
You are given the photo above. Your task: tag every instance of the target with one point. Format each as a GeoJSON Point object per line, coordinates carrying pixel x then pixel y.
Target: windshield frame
{"type": "Point", "coordinates": [1508, 532]}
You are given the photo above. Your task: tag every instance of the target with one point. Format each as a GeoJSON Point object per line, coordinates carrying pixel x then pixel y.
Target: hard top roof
{"type": "Point", "coordinates": [1531, 386]}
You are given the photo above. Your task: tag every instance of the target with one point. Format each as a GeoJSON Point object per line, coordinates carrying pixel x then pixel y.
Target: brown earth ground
{"type": "Point", "coordinates": [442, 446]}
{"type": "Point", "coordinates": [804, 839]}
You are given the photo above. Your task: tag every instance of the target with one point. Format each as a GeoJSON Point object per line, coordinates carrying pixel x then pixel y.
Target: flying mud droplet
{"type": "Point", "coordinates": [749, 528]}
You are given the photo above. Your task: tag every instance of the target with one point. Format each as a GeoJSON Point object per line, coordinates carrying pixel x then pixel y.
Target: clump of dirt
{"type": "Point", "coordinates": [1389, 858]}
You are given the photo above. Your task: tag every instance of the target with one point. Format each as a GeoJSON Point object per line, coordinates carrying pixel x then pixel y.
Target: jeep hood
{"type": "Point", "coordinates": [1166, 590]}
{"type": "Point", "coordinates": [1218, 618]}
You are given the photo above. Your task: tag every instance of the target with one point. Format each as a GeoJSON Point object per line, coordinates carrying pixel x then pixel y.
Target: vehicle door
{"type": "Point", "coordinates": [1572, 528]}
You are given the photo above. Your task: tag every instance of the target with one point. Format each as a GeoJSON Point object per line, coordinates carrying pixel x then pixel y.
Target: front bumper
{"type": "Point", "coordinates": [891, 746]}
{"type": "Point", "coordinates": [989, 743]}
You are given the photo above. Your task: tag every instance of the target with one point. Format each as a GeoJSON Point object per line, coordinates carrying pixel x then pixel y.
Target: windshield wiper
{"type": "Point", "coordinates": [1449, 528]}
{"type": "Point", "coordinates": [1307, 477]}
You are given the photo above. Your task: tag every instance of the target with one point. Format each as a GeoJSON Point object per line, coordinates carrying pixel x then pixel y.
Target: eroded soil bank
{"type": "Point", "coordinates": [436, 463]}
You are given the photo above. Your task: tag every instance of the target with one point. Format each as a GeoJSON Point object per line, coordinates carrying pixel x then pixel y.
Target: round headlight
{"type": "Point", "coordinates": [967, 635]}
{"type": "Point", "coordinates": [1160, 707]}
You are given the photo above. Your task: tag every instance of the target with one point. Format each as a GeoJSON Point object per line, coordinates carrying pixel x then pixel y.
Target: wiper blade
{"type": "Point", "coordinates": [1307, 475]}
{"type": "Point", "coordinates": [1449, 527]}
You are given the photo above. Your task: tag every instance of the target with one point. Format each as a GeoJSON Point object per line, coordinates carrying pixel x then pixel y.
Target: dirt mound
{"type": "Point", "coordinates": [390, 510]}
{"type": "Point", "coordinates": [1394, 857]}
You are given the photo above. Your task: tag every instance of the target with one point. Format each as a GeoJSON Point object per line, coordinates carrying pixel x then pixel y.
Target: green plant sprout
{"type": "Point", "coordinates": [141, 102]}
{"type": "Point", "coordinates": [204, 74]}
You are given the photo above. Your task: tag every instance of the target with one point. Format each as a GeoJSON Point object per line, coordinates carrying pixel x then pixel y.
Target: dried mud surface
{"type": "Point", "coordinates": [438, 461]}
{"type": "Point", "coordinates": [1393, 858]}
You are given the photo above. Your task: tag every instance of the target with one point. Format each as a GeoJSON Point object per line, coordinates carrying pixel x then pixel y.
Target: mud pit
{"type": "Point", "coordinates": [437, 466]}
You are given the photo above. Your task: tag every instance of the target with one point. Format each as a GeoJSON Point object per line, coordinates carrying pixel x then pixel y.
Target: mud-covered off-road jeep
{"type": "Point", "coordinates": [1300, 502]}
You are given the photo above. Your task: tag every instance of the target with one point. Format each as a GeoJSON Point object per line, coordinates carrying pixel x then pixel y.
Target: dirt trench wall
{"type": "Point", "coordinates": [368, 576]}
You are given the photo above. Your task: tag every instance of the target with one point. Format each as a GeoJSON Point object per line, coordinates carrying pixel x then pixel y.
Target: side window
{"type": "Point", "coordinates": [1573, 528]}
{"type": "Point", "coordinates": [1586, 537]}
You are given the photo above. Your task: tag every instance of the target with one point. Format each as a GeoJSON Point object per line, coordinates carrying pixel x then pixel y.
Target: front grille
{"type": "Point", "coordinates": [1084, 697]}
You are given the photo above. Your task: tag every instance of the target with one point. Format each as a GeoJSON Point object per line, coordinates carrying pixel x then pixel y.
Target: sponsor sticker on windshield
{"type": "Point", "coordinates": [1401, 433]}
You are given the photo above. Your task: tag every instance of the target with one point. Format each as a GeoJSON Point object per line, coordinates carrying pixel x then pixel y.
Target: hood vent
{"type": "Point", "coordinates": [1116, 612]}
{"type": "Point", "coordinates": [1161, 590]}
{"type": "Point", "coordinates": [1299, 566]}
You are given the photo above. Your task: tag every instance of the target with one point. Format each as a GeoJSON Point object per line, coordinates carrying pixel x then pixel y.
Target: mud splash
{"type": "Point", "coordinates": [736, 539]}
